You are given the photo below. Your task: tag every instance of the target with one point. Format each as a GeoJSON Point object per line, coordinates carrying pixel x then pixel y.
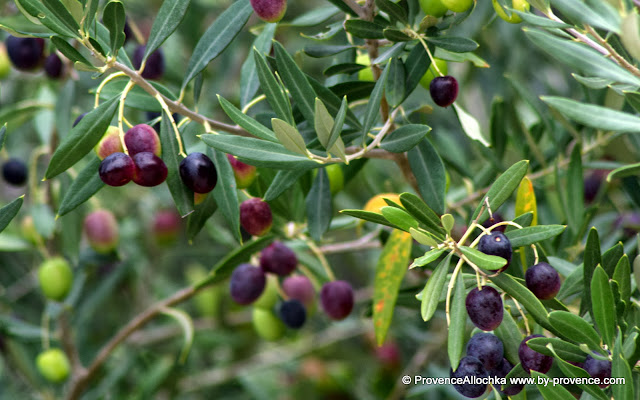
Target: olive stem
{"type": "Point", "coordinates": [318, 253]}
{"type": "Point", "coordinates": [524, 317]}
{"type": "Point", "coordinates": [123, 98]}
{"type": "Point", "coordinates": [452, 283]}
{"type": "Point", "coordinates": [173, 124]}
{"type": "Point", "coordinates": [617, 57]}
{"type": "Point", "coordinates": [104, 83]}
{"type": "Point", "coordinates": [424, 44]}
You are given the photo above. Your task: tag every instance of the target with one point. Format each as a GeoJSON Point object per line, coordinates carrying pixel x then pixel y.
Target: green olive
{"type": "Point", "coordinates": [267, 325]}
{"type": "Point", "coordinates": [458, 5]}
{"type": "Point", "coordinates": [5, 64]}
{"type": "Point", "coordinates": [269, 296]}
{"type": "Point", "coordinates": [431, 73]}
{"type": "Point", "coordinates": [53, 364]}
{"type": "Point", "coordinates": [434, 8]}
{"type": "Point", "coordinates": [55, 278]}
{"type": "Point", "coordinates": [512, 18]}
{"type": "Point", "coordinates": [365, 74]}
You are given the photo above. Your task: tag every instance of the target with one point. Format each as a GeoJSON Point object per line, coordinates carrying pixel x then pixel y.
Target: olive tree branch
{"type": "Point", "coordinates": [80, 381]}
{"type": "Point", "coordinates": [175, 106]}
{"type": "Point", "coordinates": [356, 8]}
{"type": "Point", "coordinates": [616, 56]}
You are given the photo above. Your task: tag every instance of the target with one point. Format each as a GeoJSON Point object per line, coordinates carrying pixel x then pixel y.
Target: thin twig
{"type": "Point", "coordinates": [356, 8]}
{"type": "Point", "coordinates": [176, 107]}
{"type": "Point", "coordinates": [80, 381]}
{"type": "Point", "coordinates": [617, 57]}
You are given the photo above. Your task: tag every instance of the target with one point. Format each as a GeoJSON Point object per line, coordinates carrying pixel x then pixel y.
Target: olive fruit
{"type": "Point", "coordinates": [53, 365]}
{"type": "Point", "coordinates": [56, 278]}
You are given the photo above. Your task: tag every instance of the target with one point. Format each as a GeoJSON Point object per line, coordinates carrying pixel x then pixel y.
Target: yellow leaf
{"type": "Point", "coordinates": [526, 200]}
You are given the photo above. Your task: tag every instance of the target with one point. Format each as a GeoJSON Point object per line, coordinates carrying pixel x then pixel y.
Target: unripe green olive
{"type": "Point", "coordinates": [512, 18]}
{"type": "Point", "coordinates": [434, 8]}
{"type": "Point", "coordinates": [53, 364]}
{"type": "Point", "coordinates": [207, 301]}
{"type": "Point", "coordinates": [431, 73]}
{"type": "Point", "coordinates": [365, 74]}
{"type": "Point", "coordinates": [5, 63]}
{"type": "Point", "coordinates": [56, 278]}
{"type": "Point", "coordinates": [458, 5]}
{"type": "Point", "coordinates": [269, 296]}
{"type": "Point", "coordinates": [267, 325]}
{"type": "Point", "coordinates": [335, 175]}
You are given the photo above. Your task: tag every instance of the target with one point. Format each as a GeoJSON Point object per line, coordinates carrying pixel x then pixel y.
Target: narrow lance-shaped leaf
{"type": "Point", "coordinates": [8, 212]}
{"type": "Point", "coordinates": [289, 136]}
{"type": "Point", "coordinates": [482, 260]}
{"type": "Point", "coordinates": [526, 200]}
{"type": "Point", "coordinates": [454, 44]}
{"type": "Point", "coordinates": [249, 82]}
{"type": "Point", "coordinates": [533, 234]}
{"type": "Point", "coordinates": [591, 63]}
{"type": "Point", "coordinates": [421, 211]}
{"type": "Point", "coordinates": [455, 341]}
{"type": "Point", "coordinates": [295, 80]}
{"type": "Point", "coordinates": [395, 82]}
{"type": "Point", "coordinates": [430, 295]}
{"type": "Point", "coordinates": [423, 237]}
{"type": "Point", "coordinates": [86, 184]}
{"type": "Point", "coordinates": [372, 111]}
{"type": "Point", "coordinates": [259, 153]}
{"type": "Point", "coordinates": [573, 371]}
{"type": "Point", "coordinates": [390, 270]}
{"type": "Point", "coordinates": [3, 135]}
{"type": "Point", "coordinates": [198, 218]}
{"type": "Point", "coordinates": [283, 180]}
{"type": "Point", "coordinates": [223, 30]}
{"type": "Point", "coordinates": [524, 296]}
{"type": "Point", "coordinates": [575, 191]}
{"type": "Point", "coordinates": [82, 138]}
{"type": "Point", "coordinates": [225, 192]}
{"type": "Point", "coordinates": [429, 171]}
{"type": "Point", "coordinates": [336, 128]}
{"type": "Point", "coordinates": [576, 328]}
{"type": "Point", "coordinates": [113, 17]}
{"type": "Point", "coordinates": [323, 123]}
{"type": "Point", "coordinates": [592, 259]}
{"type": "Point", "coordinates": [428, 257]}
{"type": "Point", "coordinates": [565, 350]}
{"type": "Point", "coordinates": [622, 275]}
{"type": "Point", "coordinates": [399, 218]}
{"type": "Point", "coordinates": [510, 335]}
{"type": "Point", "coordinates": [60, 11]}
{"type": "Point", "coordinates": [277, 98]}
{"type": "Point", "coordinates": [182, 196]}
{"type": "Point", "coordinates": [550, 391]}
{"type": "Point", "coordinates": [470, 125]}
{"type": "Point", "coordinates": [620, 369]}
{"type": "Point", "coordinates": [251, 125]}
{"type": "Point", "coordinates": [602, 303]}
{"type": "Point", "coordinates": [405, 138]}
{"type": "Point", "coordinates": [319, 209]}
{"type": "Point", "coordinates": [502, 188]}
{"type": "Point", "coordinates": [68, 50]}
{"type": "Point", "coordinates": [169, 17]}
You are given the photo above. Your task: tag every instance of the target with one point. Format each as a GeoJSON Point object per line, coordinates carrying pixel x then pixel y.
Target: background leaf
{"type": "Point", "coordinates": [223, 30]}
{"type": "Point", "coordinates": [390, 270]}
{"type": "Point", "coordinates": [166, 22]}
{"type": "Point", "coordinates": [82, 138]}
{"type": "Point", "coordinates": [319, 209]}
{"type": "Point", "coordinates": [429, 171]}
